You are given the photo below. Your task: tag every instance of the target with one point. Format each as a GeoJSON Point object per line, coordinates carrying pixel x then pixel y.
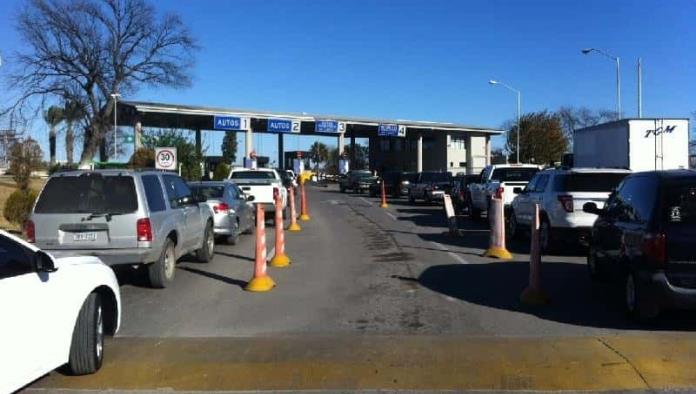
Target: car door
{"type": "Point", "coordinates": [30, 307]}
{"type": "Point", "coordinates": [521, 204]}
{"type": "Point", "coordinates": [616, 218]}
{"type": "Point", "coordinates": [192, 214]}
{"type": "Point", "coordinates": [178, 211]}
{"type": "Point", "coordinates": [232, 199]}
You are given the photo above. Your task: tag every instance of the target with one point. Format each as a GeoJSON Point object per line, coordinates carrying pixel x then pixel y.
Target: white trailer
{"type": "Point", "coordinates": [635, 144]}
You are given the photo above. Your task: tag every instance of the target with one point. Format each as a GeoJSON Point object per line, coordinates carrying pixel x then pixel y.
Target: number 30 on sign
{"type": "Point", "coordinates": [165, 158]}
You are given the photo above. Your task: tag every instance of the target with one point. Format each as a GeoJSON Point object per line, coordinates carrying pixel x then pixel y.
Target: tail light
{"type": "Point", "coordinates": [566, 202]}
{"type": "Point", "coordinates": [435, 187]}
{"type": "Point", "coordinates": [144, 229]}
{"type": "Point", "coordinates": [221, 208]}
{"type": "Point", "coordinates": [655, 248]}
{"type": "Point", "coordinates": [30, 231]}
{"type": "Point", "coordinates": [461, 193]}
{"type": "Point", "coordinates": [276, 193]}
{"type": "Point", "coordinates": [499, 192]}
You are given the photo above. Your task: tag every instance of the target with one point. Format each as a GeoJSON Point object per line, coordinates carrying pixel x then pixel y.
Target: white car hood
{"type": "Point", "coordinates": [76, 260]}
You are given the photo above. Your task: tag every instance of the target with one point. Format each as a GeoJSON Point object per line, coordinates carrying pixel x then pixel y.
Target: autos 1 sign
{"type": "Point", "coordinates": [221, 122]}
{"type": "Point", "coordinates": [165, 158]}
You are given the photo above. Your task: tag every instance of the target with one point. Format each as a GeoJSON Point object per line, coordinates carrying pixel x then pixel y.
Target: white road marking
{"type": "Point", "coordinates": [366, 201]}
{"type": "Point", "coordinates": [391, 215]}
{"type": "Point", "coordinates": [455, 256]}
{"type": "Point", "coordinates": [271, 252]}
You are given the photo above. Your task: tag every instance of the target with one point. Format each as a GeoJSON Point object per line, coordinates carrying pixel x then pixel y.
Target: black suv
{"type": "Point", "coordinates": [395, 183]}
{"type": "Point", "coordinates": [644, 235]}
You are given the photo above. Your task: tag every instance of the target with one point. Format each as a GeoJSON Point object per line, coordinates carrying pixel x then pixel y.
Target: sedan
{"type": "Point", "coordinates": [54, 312]}
{"type": "Point", "coordinates": [233, 212]}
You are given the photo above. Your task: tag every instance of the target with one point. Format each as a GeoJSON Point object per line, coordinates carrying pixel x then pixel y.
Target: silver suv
{"type": "Point", "coordinates": [123, 217]}
{"type": "Point", "coordinates": [561, 193]}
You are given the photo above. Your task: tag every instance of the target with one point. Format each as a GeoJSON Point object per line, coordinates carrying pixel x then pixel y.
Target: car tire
{"type": "Point", "coordinates": [373, 193]}
{"type": "Point", "coordinates": [342, 189]}
{"type": "Point", "coordinates": [513, 230]}
{"type": "Point", "coordinates": [474, 213]}
{"type": "Point", "coordinates": [233, 238]}
{"type": "Point", "coordinates": [162, 271]}
{"type": "Point", "coordinates": [87, 345]}
{"type": "Point", "coordinates": [634, 301]}
{"type": "Point", "coordinates": [595, 267]}
{"type": "Point", "coordinates": [207, 251]}
{"type": "Point", "coordinates": [427, 198]}
{"type": "Point", "coordinates": [545, 241]}
{"type": "Point", "coordinates": [411, 198]}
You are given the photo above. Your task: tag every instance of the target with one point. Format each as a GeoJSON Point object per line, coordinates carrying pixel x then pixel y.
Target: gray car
{"type": "Point", "coordinates": [123, 217]}
{"type": "Point", "coordinates": [233, 213]}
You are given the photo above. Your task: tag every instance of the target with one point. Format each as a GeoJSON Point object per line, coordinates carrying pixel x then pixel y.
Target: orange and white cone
{"type": "Point", "coordinates": [497, 223]}
{"type": "Point", "coordinates": [280, 259]}
{"type": "Point", "coordinates": [261, 281]}
{"type": "Point", "coordinates": [384, 196]}
{"type": "Point", "coordinates": [534, 294]}
{"type": "Point", "coordinates": [304, 214]}
{"type": "Point", "coordinates": [294, 226]}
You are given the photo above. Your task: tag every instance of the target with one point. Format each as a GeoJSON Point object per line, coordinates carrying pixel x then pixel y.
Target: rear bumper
{"type": "Point", "coordinates": [436, 194]}
{"type": "Point", "coordinates": [667, 295]}
{"type": "Point", "coordinates": [580, 235]}
{"type": "Point", "coordinates": [112, 256]}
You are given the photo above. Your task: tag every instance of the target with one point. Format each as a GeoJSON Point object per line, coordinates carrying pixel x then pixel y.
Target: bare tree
{"type": "Point", "coordinates": [85, 50]}
{"type": "Point", "coordinates": [573, 118]}
{"type": "Point", "coordinates": [72, 113]}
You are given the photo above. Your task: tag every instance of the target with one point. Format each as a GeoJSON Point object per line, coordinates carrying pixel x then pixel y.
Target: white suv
{"type": "Point", "coordinates": [561, 193]}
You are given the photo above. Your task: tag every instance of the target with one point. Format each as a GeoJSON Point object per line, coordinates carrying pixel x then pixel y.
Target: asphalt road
{"type": "Point", "coordinates": [359, 270]}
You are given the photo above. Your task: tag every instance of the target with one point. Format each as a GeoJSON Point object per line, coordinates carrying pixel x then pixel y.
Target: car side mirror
{"type": "Point", "coordinates": [590, 207]}
{"type": "Point", "coordinates": [250, 198]}
{"type": "Point", "coordinates": [518, 190]}
{"type": "Point", "coordinates": [43, 262]}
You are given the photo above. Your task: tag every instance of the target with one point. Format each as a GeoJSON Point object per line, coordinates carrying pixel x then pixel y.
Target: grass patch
{"type": "Point", "coordinates": [7, 186]}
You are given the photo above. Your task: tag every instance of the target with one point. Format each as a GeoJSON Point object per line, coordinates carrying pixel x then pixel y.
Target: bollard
{"type": "Point", "coordinates": [261, 281]}
{"type": "Point", "coordinates": [294, 226]}
{"type": "Point", "coordinates": [497, 223]}
{"type": "Point", "coordinates": [534, 294]}
{"type": "Point", "coordinates": [304, 214]}
{"type": "Point", "coordinates": [280, 259]}
{"type": "Point", "coordinates": [384, 195]}
{"type": "Point", "coordinates": [451, 217]}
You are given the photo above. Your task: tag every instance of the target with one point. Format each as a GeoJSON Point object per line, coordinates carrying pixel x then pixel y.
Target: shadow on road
{"type": "Point", "coordinates": [575, 298]}
{"type": "Point", "coordinates": [215, 276]}
{"type": "Point", "coordinates": [236, 256]}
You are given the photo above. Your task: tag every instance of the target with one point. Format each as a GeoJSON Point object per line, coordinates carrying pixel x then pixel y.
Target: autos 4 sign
{"type": "Point", "coordinates": [165, 158]}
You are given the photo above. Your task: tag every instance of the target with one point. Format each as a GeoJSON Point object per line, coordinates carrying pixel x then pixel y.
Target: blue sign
{"type": "Point", "coordinates": [230, 123]}
{"type": "Point", "coordinates": [326, 126]}
{"type": "Point", "coordinates": [391, 130]}
{"type": "Point", "coordinates": [279, 125]}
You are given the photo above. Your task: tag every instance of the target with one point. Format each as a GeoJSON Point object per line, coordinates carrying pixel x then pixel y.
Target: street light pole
{"type": "Point", "coordinates": [115, 96]}
{"type": "Point", "coordinates": [616, 59]}
{"type": "Point", "coordinates": [519, 111]}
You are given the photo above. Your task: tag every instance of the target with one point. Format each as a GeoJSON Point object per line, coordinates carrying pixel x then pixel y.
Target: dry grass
{"type": "Point", "coordinates": [7, 186]}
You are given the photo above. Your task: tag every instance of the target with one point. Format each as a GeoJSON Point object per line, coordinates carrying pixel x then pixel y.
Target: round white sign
{"type": "Point", "coordinates": [165, 158]}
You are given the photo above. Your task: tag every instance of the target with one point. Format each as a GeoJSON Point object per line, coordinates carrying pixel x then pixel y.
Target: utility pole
{"type": "Point", "coordinates": [640, 88]}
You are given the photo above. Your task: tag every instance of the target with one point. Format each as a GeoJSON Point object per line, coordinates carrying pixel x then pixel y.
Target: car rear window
{"type": "Point", "coordinates": [252, 175]}
{"type": "Point", "coordinates": [88, 194]}
{"type": "Point", "coordinates": [436, 177]}
{"type": "Point", "coordinates": [513, 174]}
{"type": "Point", "coordinates": [590, 182]}
{"type": "Point", "coordinates": [208, 191]}
{"type": "Point", "coordinates": [679, 203]}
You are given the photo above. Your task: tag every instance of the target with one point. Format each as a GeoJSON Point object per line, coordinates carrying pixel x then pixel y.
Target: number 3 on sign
{"type": "Point", "coordinates": [296, 126]}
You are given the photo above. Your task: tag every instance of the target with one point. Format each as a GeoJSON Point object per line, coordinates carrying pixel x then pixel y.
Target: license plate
{"type": "Point", "coordinates": [80, 237]}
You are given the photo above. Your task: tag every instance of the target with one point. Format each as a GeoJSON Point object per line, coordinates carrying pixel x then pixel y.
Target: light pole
{"type": "Point", "coordinates": [519, 110]}
{"type": "Point", "coordinates": [115, 96]}
{"type": "Point", "coordinates": [587, 51]}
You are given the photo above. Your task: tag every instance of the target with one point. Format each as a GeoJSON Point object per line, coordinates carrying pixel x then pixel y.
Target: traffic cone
{"type": "Point", "coordinates": [261, 281]}
{"type": "Point", "coordinates": [304, 214]}
{"type": "Point", "coordinates": [294, 226]}
{"type": "Point", "coordinates": [384, 196]}
{"type": "Point", "coordinates": [497, 223]}
{"type": "Point", "coordinates": [280, 259]}
{"type": "Point", "coordinates": [534, 294]}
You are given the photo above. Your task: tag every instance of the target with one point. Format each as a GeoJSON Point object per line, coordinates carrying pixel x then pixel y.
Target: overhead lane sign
{"type": "Point", "coordinates": [224, 122]}
{"type": "Point", "coordinates": [329, 126]}
{"type": "Point", "coordinates": [283, 126]}
{"type": "Point", "coordinates": [391, 130]}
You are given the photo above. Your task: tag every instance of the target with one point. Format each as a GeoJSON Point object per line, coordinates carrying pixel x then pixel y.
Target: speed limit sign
{"type": "Point", "coordinates": [165, 158]}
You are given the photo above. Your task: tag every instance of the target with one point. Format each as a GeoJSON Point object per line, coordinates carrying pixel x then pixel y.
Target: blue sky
{"type": "Point", "coordinates": [426, 60]}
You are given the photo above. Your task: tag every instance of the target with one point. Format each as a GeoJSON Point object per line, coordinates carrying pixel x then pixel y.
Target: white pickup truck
{"type": "Point", "coordinates": [498, 179]}
{"type": "Point", "coordinates": [260, 183]}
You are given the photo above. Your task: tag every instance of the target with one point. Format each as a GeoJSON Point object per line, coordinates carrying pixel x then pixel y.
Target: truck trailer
{"type": "Point", "coordinates": [644, 144]}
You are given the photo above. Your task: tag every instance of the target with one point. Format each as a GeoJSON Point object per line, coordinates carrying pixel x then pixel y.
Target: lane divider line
{"type": "Point", "coordinates": [455, 256]}
{"type": "Point", "coordinates": [391, 215]}
{"type": "Point", "coordinates": [366, 201]}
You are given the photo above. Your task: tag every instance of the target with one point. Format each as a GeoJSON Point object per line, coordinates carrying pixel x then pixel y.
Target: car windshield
{"type": "Point", "coordinates": [522, 174]}
{"type": "Point", "coordinates": [88, 193]}
{"type": "Point", "coordinates": [588, 182]}
{"type": "Point", "coordinates": [679, 203]}
{"type": "Point", "coordinates": [252, 175]}
{"type": "Point", "coordinates": [208, 191]}
{"type": "Point", "coordinates": [436, 177]}
{"type": "Point", "coordinates": [362, 174]}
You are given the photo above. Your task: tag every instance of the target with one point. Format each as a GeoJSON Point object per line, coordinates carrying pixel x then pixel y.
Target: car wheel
{"type": "Point", "coordinates": [342, 189]}
{"type": "Point", "coordinates": [513, 230]}
{"type": "Point", "coordinates": [427, 198]}
{"type": "Point", "coordinates": [87, 345]}
{"type": "Point", "coordinates": [411, 199]}
{"type": "Point", "coordinates": [594, 266]}
{"type": "Point", "coordinates": [207, 251]}
{"type": "Point", "coordinates": [373, 193]}
{"type": "Point", "coordinates": [474, 213]}
{"type": "Point", "coordinates": [161, 272]}
{"type": "Point", "coordinates": [544, 236]}
{"type": "Point", "coordinates": [636, 306]}
{"type": "Point", "coordinates": [233, 238]}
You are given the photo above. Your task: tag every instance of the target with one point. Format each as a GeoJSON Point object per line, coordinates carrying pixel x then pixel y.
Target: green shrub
{"type": "Point", "coordinates": [19, 205]}
{"type": "Point", "coordinates": [222, 171]}
{"type": "Point", "coordinates": [61, 167]}
{"type": "Point", "coordinates": [143, 158]}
